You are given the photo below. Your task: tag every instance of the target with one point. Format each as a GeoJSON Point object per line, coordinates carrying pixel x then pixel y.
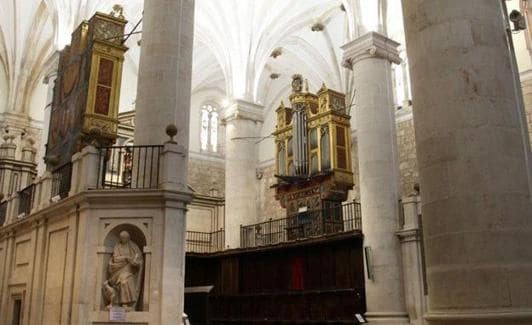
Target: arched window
{"type": "Point", "coordinates": [401, 80]}
{"type": "Point", "coordinates": [209, 128]}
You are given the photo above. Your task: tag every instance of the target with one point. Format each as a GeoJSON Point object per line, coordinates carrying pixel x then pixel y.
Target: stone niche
{"type": "Point", "coordinates": [138, 235]}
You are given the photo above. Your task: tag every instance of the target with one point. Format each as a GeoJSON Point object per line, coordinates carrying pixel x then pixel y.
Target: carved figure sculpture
{"type": "Point", "coordinates": [125, 270]}
{"type": "Point", "coordinates": [118, 11]}
{"type": "Point", "coordinates": [297, 83]}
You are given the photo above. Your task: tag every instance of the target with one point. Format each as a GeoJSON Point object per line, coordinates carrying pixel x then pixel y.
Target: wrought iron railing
{"type": "Point", "coordinates": [61, 180]}
{"type": "Point", "coordinates": [25, 200]}
{"type": "Point", "coordinates": [135, 167]}
{"type": "Point", "coordinates": [3, 212]}
{"type": "Point", "coordinates": [335, 219]}
{"type": "Point", "coordinates": [205, 242]}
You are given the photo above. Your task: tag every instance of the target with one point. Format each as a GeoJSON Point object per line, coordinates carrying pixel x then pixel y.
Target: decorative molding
{"type": "Point", "coordinates": [243, 110]}
{"type": "Point", "coordinates": [404, 114]}
{"type": "Point", "coordinates": [371, 45]}
{"type": "Point", "coordinates": [266, 163]}
{"type": "Point", "coordinates": [276, 52]}
{"type": "Point", "coordinates": [499, 316]}
{"type": "Point", "coordinates": [409, 235]}
{"type": "Point", "coordinates": [525, 75]}
{"type": "Point", "coordinates": [206, 157]}
{"type": "Point", "coordinates": [317, 27]}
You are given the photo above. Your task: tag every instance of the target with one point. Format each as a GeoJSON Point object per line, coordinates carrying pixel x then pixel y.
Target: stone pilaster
{"type": "Point", "coordinates": [370, 57]}
{"type": "Point", "coordinates": [410, 236]}
{"type": "Point", "coordinates": [476, 202]}
{"type": "Point", "coordinates": [243, 122]}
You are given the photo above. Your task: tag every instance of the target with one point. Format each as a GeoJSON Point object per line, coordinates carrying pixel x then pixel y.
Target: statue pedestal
{"type": "Point", "coordinates": [155, 222]}
{"type": "Point", "coordinates": [136, 317]}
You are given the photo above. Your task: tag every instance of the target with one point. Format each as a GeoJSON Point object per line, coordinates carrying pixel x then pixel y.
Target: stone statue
{"type": "Point", "coordinates": [297, 83]}
{"type": "Point", "coordinates": [118, 11]}
{"type": "Point", "coordinates": [125, 270]}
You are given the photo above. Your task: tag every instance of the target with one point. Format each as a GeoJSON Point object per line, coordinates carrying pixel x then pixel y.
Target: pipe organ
{"type": "Point", "coordinates": [87, 89]}
{"type": "Point", "coordinates": [313, 155]}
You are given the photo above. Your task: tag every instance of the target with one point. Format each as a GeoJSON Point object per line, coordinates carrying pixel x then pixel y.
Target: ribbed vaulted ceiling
{"type": "Point", "coordinates": [234, 40]}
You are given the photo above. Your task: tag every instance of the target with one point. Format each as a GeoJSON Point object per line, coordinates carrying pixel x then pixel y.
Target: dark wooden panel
{"type": "Point", "coordinates": [319, 282]}
{"type": "Point", "coordinates": [229, 275]}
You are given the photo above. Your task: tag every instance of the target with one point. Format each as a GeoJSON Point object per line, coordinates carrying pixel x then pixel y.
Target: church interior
{"type": "Point", "coordinates": [266, 162]}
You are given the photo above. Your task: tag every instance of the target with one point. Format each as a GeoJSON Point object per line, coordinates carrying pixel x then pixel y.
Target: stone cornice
{"type": "Point", "coordinates": [525, 75]}
{"type": "Point", "coordinates": [241, 109]}
{"type": "Point", "coordinates": [370, 45]}
{"type": "Point", "coordinates": [102, 199]}
{"type": "Point", "coordinates": [409, 235]}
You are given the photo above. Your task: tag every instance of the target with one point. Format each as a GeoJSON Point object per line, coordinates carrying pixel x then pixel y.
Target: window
{"type": "Point", "coordinates": [401, 81]}
{"type": "Point", "coordinates": [209, 128]}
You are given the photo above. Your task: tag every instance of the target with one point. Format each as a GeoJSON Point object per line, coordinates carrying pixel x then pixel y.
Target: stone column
{"type": "Point", "coordinates": [370, 57]}
{"type": "Point", "coordinates": [165, 69]}
{"type": "Point", "coordinates": [412, 256]}
{"type": "Point", "coordinates": [476, 205]}
{"type": "Point", "coordinates": [243, 122]}
{"type": "Point", "coordinates": [163, 98]}
{"type": "Point", "coordinates": [7, 152]}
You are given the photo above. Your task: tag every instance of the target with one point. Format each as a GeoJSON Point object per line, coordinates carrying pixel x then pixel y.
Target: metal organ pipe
{"type": "Point", "coordinates": [300, 143]}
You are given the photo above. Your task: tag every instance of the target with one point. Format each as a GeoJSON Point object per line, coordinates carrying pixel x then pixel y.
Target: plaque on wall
{"type": "Point", "coordinates": [117, 314]}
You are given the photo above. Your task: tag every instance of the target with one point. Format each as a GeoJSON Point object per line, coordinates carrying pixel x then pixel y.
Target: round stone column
{"type": "Point", "coordinates": [476, 200]}
{"type": "Point", "coordinates": [243, 122]}
{"type": "Point", "coordinates": [370, 57]}
{"type": "Point", "coordinates": [165, 69]}
{"type": "Point", "coordinates": [163, 98]}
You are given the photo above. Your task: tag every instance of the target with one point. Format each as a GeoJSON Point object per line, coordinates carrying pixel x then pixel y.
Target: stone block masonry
{"type": "Point", "coordinates": [206, 177]}
{"type": "Point", "coordinates": [408, 169]}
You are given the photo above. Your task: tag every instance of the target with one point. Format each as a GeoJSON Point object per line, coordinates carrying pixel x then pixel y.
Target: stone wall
{"type": "Point", "coordinates": [269, 207]}
{"type": "Point", "coordinates": [407, 156]}
{"type": "Point", "coordinates": [55, 260]}
{"type": "Point", "coordinates": [205, 175]}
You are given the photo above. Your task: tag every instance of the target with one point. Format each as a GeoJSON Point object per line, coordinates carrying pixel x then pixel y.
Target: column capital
{"type": "Point", "coordinates": [409, 235]}
{"type": "Point", "coordinates": [242, 109]}
{"type": "Point", "coordinates": [370, 45]}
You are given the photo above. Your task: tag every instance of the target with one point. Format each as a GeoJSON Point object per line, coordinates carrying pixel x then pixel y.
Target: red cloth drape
{"type": "Point", "coordinates": [297, 279]}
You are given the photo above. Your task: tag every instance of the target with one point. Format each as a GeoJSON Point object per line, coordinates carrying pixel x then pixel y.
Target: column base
{"type": "Point", "coordinates": [516, 317]}
{"type": "Point", "coordinates": [387, 318]}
